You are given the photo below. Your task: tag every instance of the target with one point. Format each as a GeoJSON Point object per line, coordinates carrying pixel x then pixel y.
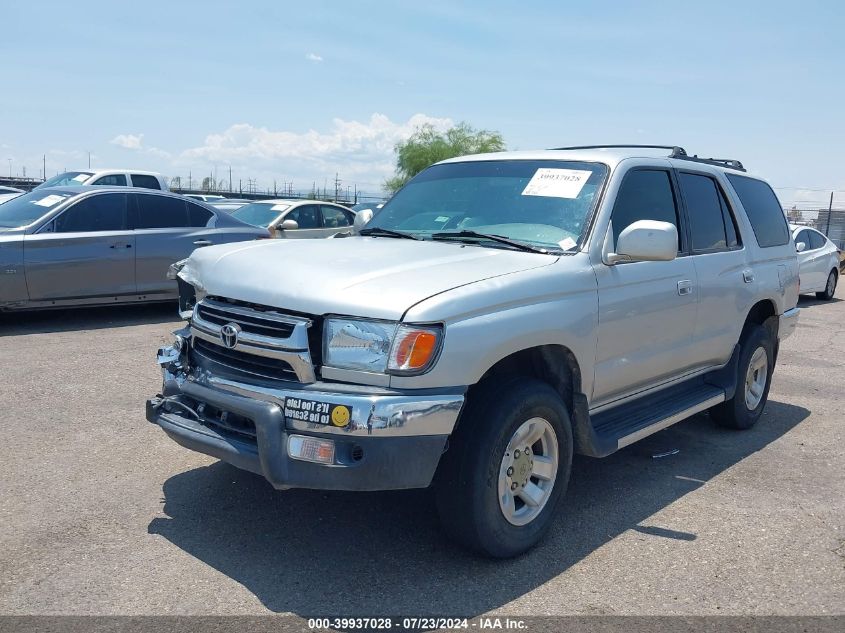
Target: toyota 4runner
{"type": "Point", "coordinates": [500, 313]}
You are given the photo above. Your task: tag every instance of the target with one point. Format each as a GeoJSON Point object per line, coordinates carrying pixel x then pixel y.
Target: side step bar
{"type": "Point", "coordinates": [615, 428]}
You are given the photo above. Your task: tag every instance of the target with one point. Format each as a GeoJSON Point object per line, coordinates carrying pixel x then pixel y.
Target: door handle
{"type": "Point", "coordinates": [121, 246]}
{"type": "Point", "coordinates": [748, 276]}
{"type": "Point", "coordinates": [684, 287]}
{"type": "Point", "coordinates": [203, 243]}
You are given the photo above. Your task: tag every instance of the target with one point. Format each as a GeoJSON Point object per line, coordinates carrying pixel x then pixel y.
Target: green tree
{"type": "Point", "coordinates": [427, 146]}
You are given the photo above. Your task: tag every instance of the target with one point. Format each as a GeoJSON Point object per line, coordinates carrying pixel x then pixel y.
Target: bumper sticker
{"type": "Point", "coordinates": [317, 412]}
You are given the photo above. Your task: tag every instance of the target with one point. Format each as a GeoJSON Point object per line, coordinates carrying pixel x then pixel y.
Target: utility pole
{"type": "Point", "coordinates": [44, 167]}
{"type": "Point", "coordinates": [336, 187]}
{"type": "Point", "coordinates": [89, 159]}
{"type": "Point", "coordinates": [230, 179]}
{"type": "Point", "coordinates": [189, 180]}
{"type": "Point", "coordinates": [10, 168]}
{"type": "Point", "coordinates": [829, 213]}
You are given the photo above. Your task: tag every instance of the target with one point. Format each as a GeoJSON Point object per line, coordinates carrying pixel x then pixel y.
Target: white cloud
{"type": "Point", "coordinates": [357, 150]}
{"type": "Point", "coordinates": [128, 141]}
{"type": "Point", "coordinates": [313, 57]}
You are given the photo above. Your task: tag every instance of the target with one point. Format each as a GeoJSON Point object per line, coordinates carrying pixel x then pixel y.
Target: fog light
{"type": "Point", "coordinates": [311, 449]}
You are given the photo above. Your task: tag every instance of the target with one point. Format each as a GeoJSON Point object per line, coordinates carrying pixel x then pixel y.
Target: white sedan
{"type": "Point", "coordinates": [818, 262]}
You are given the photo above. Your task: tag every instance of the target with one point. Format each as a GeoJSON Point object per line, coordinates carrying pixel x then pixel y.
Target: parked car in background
{"type": "Point", "coordinates": [818, 262]}
{"type": "Point", "coordinates": [7, 193]}
{"type": "Point", "coordinates": [297, 218]}
{"type": "Point", "coordinates": [69, 246]}
{"type": "Point", "coordinates": [107, 177]}
{"type": "Point", "coordinates": [204, 197]}
{"type": "Point", "coordinates": [229, 204]}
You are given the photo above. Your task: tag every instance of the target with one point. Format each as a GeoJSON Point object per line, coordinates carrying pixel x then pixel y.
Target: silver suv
{"type": "Point", "coordinates": [500, 313]}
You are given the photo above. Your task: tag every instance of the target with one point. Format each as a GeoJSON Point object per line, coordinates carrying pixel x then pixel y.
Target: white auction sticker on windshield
{"type": "Point", "coordinates": [49, 201]}
{"type": "Point", "coordinates": [279, 207]}
{"type": "Point", "coordinates": [567, 243]}
{"type": "Point", "coordinates": [82, 177]}
{"type": "Point", "coordinates": [557, 183]}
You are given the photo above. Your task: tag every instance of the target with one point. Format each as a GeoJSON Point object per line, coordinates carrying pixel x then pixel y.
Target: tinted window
{"type": "Point", "coordinates": [305, 216]}
{"type": "Point", "coordinates": [645, 194]}
{"type": "Point", "coordinates": [198, 216]}
{"type": "Point", "coordinates": [147, 182]}
{"type": "Point", "coordinates": [116, 180]}
{"type": "Point", "coordinates": [817, 240]}
{"type": "Point", "coordinates": [763, 209]}
{"type": "Point", "coordinates": [729, 220]}
{"type": "Point", "coordinates": [803, 237]}
{"type": "Point", "coordinates": [334, 217]}
{"type": "Point", "coordinates": [160, 212]}
{"type": "Point", "coordinates": [707, 225]}
{"type": "Point", "coordinates": [95, 213]}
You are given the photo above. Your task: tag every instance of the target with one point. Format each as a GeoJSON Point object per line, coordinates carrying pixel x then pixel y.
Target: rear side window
{"type": "Point", "coordinates": [105, 212]}
{"type": "Point", "coordinates": [114, 180]}
{"type": "Point", "coordinates": [147, 182]}
{"type": "Point", "coordinates": [334, 217]}
{"type": "Point", "coordinates": [160, 212]}
{"type": "Point", "coordinates": [817, 240]}
{"type": "Point", "coordinates": [645, 194]}
{"type": "Point", "coordinates": [763, 210]}
{"type": "Point", "coordinates": [198, 216]}
{"type": "Point", "coordinates": [707, 224]}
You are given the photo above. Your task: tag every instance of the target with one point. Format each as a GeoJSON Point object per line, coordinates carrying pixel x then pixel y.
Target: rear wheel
{"type": "Point", "coordinates": [830, 287]}
{"type": "Point", "coordinates": [754, 377]}
{"type": "Point", "coordinates": [506, 469]}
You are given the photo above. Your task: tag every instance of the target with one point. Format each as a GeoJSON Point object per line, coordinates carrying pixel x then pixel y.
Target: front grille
{"type": "Point", "coordinates": [249, 319]}
{"type": "Point", "coordinates": [244, 364]}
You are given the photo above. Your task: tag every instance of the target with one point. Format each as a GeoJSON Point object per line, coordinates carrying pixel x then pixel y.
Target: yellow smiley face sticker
{"type": "Point", "coordinates": [340, 415]}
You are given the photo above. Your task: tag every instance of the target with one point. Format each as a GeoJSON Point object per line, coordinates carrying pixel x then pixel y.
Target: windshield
{"type": "Point", "coordinates": [543, 203]}
{"type": "Point", "coordinates": [67, 179]}
{"type": "Point", "coordinates": [259, 213]}
{"type": "Point", "coordinates": [27, 208]}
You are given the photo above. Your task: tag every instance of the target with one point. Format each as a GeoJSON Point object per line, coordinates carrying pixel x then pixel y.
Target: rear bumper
{"type": "Point", "coordinates": [788, 323]}
{"type": "Point", "coordinates": [391, 441]}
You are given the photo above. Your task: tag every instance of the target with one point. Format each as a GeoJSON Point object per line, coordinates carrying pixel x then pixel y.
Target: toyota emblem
{"type": "Point", "coordinates": [229, 334]}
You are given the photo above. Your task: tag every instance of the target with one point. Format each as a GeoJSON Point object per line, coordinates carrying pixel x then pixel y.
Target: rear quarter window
{"type": "Point", "coordinates": [763, 210]}
{"type": "Point", "coordinates": [147, 182]}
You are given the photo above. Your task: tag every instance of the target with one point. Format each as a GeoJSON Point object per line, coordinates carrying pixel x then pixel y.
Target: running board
{"type": "Point", "coordinates": [627, 423]}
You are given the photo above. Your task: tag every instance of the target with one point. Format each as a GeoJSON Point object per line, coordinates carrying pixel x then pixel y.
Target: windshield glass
{"type": "Point", "coordinates": [67, 179]}
{"type": "Point", "coordinates": [543, 203]}
{"type": "Point", "coordinates": [27, 208]}
{"type": "Point", "coordinates": [259, 213]}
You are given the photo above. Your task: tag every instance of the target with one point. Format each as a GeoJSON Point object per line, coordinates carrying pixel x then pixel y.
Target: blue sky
{"type": "Point", "coordinates": [296, 91]}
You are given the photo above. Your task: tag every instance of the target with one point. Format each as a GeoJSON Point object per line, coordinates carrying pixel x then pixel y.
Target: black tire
{"type": "Point", "coordinates": [830, 287]}
{"type": "Point", "coordinates": [734, 413]}
{"type": "Point", "coordinates": [466, 485]}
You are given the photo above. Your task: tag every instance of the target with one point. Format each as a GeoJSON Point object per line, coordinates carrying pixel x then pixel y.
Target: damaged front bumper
{"type": "Point", "coordinates": [380, 439]}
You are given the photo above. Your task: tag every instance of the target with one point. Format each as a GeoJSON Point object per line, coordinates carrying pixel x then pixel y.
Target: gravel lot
{"type": "Point", "coordinates": [100, 513]}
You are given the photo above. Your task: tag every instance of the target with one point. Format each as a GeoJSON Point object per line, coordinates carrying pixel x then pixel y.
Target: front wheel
{"type": "Point", "coordinates": [830, 287]}
{"type": "Point", "coordinates": [754, 377]}
{"type": "Point", "coordinates": [506, 469]}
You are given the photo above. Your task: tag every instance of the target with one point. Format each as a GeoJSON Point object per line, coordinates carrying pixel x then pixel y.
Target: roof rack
{"type": "Point", "coordinates": [676, 152]}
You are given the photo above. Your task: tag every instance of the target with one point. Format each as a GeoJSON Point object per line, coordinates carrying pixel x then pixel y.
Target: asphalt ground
{"type": "Point", "coordinates": [100, 513]}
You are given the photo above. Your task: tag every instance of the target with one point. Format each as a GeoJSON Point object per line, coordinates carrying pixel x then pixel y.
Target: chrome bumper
{"type": "Point", "coordinates": [788, 323]}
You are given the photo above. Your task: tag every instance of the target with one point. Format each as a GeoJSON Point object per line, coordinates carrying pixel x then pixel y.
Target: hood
{"type": "Point", "coordinates": [374, 277]}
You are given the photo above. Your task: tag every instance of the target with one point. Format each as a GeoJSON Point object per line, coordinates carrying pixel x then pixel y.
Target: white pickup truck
{"type": "Point", "coordinates": [500, 313]}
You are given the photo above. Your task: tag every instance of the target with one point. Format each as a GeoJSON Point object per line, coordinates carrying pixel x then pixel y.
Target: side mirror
{"type": "Point", "coordinates": [800, 247]}
{"type": "Point", "coordinates": [361, 219]}
{"type": "Point", "coordinates": [288, 225]}
{"type": "Point", "coordinates": [646, 241]}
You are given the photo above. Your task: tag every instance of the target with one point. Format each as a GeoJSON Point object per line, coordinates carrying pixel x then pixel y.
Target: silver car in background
{"type": "Point", "coordinates": [818, 262]}
{"type": "Point", "coordinates": [68, 246]}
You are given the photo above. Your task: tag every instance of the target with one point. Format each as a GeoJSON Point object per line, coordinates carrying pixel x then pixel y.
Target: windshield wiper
{"type": "Point", "coordinates": [377, 230]}
{"type": "Point", "coordinates": [458, 235]}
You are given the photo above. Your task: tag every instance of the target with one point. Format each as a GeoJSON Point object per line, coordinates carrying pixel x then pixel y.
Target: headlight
{"type": "Point", "coordinates": [379, 346]}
